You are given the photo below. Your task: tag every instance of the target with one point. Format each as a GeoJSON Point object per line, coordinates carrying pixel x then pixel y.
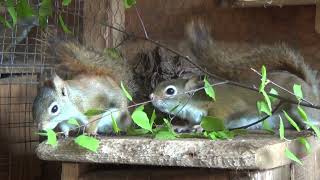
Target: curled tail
{"type": "Point", "coordinates": [74, 58]}
{"type": "Point", "coordinates": [230, 64]}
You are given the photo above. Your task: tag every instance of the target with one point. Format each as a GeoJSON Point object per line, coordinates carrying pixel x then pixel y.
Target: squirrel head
{"type": "Point", "coordinates": [174, 93]}
{"type": "Point", "coordinates": [50, 106]}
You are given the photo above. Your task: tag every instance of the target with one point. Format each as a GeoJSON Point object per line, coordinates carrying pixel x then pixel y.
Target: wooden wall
{"type": "Point", "coordinates": [165, 20]}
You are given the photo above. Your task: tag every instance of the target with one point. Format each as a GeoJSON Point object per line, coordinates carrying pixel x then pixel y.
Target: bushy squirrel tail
{"type": "Point", "coordinates": [234, 67]}
{"type": "Point", "coordinates": [75, 59]}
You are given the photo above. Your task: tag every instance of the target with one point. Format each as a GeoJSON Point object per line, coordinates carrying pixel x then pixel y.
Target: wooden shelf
{"type": "Point", "coordinates": [252, 151]}
{"type": "Point", "coordinates": [264, 3]}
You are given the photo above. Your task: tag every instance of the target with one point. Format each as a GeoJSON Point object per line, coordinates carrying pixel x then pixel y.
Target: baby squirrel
{"type": "Point", "coordinates": [236, 105]}
{"type": "Point", "coordinates": [94, 86]}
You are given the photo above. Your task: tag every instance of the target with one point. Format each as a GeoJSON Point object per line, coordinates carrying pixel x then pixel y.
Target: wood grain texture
{"type": "Point", "coordinates": [294, 25]}
{"type": "Point", "coordinates": [317, 17]}
{"type": "Point", "coordinates": [264, 3]}
{"type": "Point", "coordinates": [251, 151]}
{"type": "Point", "coordinates": [97, 12]}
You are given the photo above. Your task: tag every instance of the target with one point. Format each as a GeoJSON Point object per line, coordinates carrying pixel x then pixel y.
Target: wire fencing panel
{"type": "Point", "coordinates": [24, 61]}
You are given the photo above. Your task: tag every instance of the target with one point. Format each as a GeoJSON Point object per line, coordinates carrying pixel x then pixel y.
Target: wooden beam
{"type": "Point", "coordinates": [317, 17]}
{"type": "Point", "coordinates": [73, 171]}
{"type": "Point", "coordinates": [263, 3]}
{"type": "Point", "coordinates": [251, 151]}
{"type": "Point", "coordinates": [96, 12]}
{"type": "Point", "coordinates": [157, 173]}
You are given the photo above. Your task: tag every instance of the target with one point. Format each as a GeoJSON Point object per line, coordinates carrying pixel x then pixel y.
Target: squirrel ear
{"type": "Point", "coordinates": [193, 83]}
{"type": "Point", "coordinates": [59, 84]}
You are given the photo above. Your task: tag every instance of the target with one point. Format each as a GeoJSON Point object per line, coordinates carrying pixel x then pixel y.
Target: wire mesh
{"type": "Point", "coordinates": [23, 63]}
{"type": "Point", "coordinates": [24, 60]}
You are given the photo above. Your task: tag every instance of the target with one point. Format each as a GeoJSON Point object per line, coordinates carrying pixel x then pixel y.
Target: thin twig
{"type": "Point", "coordinates": [187, 58]}
{"type": "Point", "coordinates": [142, 103]}
{"type": "Point", "coordinates": [141, 22]}
{"type": "Point", "coordinates": [262, 119]}
{"type": "Point", "coordinates": [184, 105]}
{"type": "Point", "coordinates": [281, 87]}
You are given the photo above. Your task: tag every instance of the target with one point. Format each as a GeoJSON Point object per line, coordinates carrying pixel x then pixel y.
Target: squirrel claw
{"type": "Point", "coordinates": [182, 129]}
{"type": "Point", "coordinates": [197, 129]}
{"type": "Point", "coordinates": [63, 136]}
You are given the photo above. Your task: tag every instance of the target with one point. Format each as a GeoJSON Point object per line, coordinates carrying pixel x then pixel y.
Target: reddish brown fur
{"type": "Point", "coordinates": [74, 66]}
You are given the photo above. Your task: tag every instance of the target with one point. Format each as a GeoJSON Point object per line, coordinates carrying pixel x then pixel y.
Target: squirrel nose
{"type": "Point", "coordinates": [151, 96]}
{"type": "Point", "coordinates": [40, 126]}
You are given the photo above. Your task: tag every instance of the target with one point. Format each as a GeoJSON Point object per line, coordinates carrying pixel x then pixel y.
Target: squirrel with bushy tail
{"type": "Point", "coordinates": [237, 106]}
{"type": "Point", "coordinates": [94, 85]}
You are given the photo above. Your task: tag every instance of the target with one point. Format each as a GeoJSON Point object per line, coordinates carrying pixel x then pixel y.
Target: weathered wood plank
{"type": "Point", "coordinates": [264, 3]}
{"type": "Point", "coordinates": [97, 12]}
{"type": "Point", "coordinates": [251, 151]}
{"type": "Point", "coordinates": [317, 17]}
{"type": "Point", "coordinates": [176, 173]}
{"type": "Point", "coordinates": [73, 171]}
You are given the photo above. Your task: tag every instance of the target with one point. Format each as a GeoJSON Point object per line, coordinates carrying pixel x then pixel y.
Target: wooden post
{"type": "Point", "coordinates": [97, 13]}
{"type": "Point", "coordinates": [256, 155]}
{"type": "Point", "coordinates": [73, 171]}
{"type": "Point", "coordinates": [317, 18]}
{"type": "Point", "coordinates": [263, 3]}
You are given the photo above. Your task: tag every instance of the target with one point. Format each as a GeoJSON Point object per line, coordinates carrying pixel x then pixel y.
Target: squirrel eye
{"type": "Point", "coordinates": [171, 90]}
{"type": "Point", "coordinates": [53, 108]}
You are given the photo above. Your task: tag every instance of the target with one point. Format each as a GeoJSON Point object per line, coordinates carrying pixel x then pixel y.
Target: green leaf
{"type": "Point", "coordinates": [212, 136]}
{"type": "Point", "coordinates": [129, 3]}
{"type": "Point", "coordinates": [153, 117]}
{"type": "Point", "coordinates": [24, 9]}
{"type": "Point", "coordinates": [209, 89]}
{"type": "Point", "coordinates": [281, 129]}
{"type": "Point", "coordinates": [136, 132]}
{"type": "Point", "coordinates": [64, 26]}
{"type": "Point", "coordinates": [274, 92]}
{"type": "Point", "coordinates": [87, 142]}
{"type": "Point", "coordinates": [126, 93]}
{"type": "Point", "coordinates": [266, 126]}
{"type": "Point", "coordinates": [263, 107]}
{"type": "Point", "coordinates": [302, 113]}
{"type": "Point", "coordinates": [52, 137]}
{"type": "Point", "coordinates": [141, 119]}
{"type": "Point", "coordinates": [5, 22]}
{"type": "Point", "coordinates": [297, 91]}
{"type": "Point", "coordinates": [93, 112]}
{"type": "Point", "coordinates": [209, 123]}
{"type": "Point", "coordinates": [115, 126]}
{"type": "Point", "coordinates": [66, 2]}
{"type": "Point", "coordinates": [292, 156]}
{"type": "Point", "coordinates": [167, 123]}
{"type": "Point", "coordinates": [12, 11]}
{"type": "Point", "coordinates": [226, 134]}
{"type": "Point", "coordinates": [267, 100]}
{"type": "Point", "coordinates": [291, 121]}
{"type": "Point", "coordinates": [45, 10]}
{"type": "Point", "coordinates": [112, 52]}
{"type": "Point", "coordinates": [73, 121]}
{"type": "Point", "coordinates": [169, 126]}
{"type": "Point", "coordinates": [306, 144]}
{"type": "Point", "coordinates": [314, 128]}
{"type": "Point", "coordinates": [263, 78]}
{"type": "Point", "coordinates": [165, 135]}
{"type": "Point", "coordinates": [140, 108]}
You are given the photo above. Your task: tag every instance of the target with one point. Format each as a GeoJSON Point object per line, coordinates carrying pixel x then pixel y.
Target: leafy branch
{"type": "Point", "coordinates": [187, 58]}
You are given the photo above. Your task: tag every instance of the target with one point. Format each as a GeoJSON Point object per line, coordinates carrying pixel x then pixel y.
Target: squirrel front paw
{"type": "Point", "coordinates": [197, 128]}
{"type": "Point", "coordinates": [182, 129]}
{"type": "Point", "coordinates": [188, 129]}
